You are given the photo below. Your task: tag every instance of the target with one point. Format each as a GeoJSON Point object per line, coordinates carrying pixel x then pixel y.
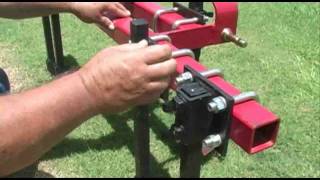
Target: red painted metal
{"type": "Point", "coordinates": [254, 127]}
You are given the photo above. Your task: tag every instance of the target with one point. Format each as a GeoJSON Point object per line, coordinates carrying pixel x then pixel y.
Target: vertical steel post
{"type": "Point", "coordinates": [190, 161]}
{"type": "Point", "coordinates": [139, 31]}
{"type": "Point", "coordinates": [197, 6]}
{"type": "Point", "coordinates": [52, 34]}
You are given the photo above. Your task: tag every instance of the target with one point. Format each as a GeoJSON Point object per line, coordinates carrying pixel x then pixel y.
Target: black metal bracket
{"type": "Point", "coordinates": [194, 122]}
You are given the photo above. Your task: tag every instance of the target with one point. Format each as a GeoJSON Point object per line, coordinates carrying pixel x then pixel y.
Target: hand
{"type": "Point", "coordinates": [128, 75]}
{"type": "Point", "coordinates": [99, 12]}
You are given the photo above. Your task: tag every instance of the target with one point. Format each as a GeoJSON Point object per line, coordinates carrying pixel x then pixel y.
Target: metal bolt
{"type": "Point", "coordinates": [184, 77]}
{"type": "Point", "coordinates": [217, 104]}
{"type": "Point", "coordinates": [229, 36]}
{"type": "Point", "coordinates": [211, 142]}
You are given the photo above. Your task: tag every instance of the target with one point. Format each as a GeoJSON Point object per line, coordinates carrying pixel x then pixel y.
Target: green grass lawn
{"type": "Point", "coordinates": [281, 63]}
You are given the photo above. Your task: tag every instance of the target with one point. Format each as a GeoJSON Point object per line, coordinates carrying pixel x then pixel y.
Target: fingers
{"type": "Point", "coordinates": [106, 22]}
{"type": "Point", "coordinates": [133, 46]}
{"type": "Point", "coordinates": [158, 86]}
{"type": "Point", "coordinates": [120, 6]}
{"type": "Point", "coordinates": [155, 54]}
{"type": "Point", "coordinates": [117, 9]}
{"type": "Point", "coordinates": [162, 70]}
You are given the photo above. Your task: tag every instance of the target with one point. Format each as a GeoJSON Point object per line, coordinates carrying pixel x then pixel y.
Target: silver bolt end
{"type": "Point", "coordinates": [187, 76]}
{"type": "Point", "coordinates": [242, 43]}
{"type": "Point", "coordinates": [217, 104]}
{"type": "Point", "coordinates": [210, 143]}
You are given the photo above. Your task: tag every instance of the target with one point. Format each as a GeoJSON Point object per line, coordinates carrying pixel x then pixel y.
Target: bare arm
{"type": "Point", "coordinates": [89, 12]}
{"type": "Point", "coordinates": [19, 10]}
{"type": "Point", "coordinates": [33, 122]}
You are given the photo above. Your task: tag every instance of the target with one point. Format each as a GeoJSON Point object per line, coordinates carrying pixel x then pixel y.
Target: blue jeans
{"type": "Point", "coordinates": [4, 82]}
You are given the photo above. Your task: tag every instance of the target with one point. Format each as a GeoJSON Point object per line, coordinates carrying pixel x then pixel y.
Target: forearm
{"type": "Point", "coordinates": [20, 10]}
{"type": "Point", "coordinates": [33, 122]}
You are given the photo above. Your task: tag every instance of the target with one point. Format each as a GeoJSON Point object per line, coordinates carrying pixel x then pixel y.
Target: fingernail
{"type": "Point", "coordinates": [128, 13]}
{"type": "Point", "coordinates": [111, 27]}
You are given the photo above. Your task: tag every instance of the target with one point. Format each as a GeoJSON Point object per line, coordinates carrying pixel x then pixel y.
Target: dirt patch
{"type": "Point", "coordinates": [18, 76]}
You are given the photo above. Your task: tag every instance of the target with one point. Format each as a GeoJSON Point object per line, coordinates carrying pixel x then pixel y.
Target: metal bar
{"type": "Point", "coordinates": [158, 14]}
{"type": "Point", "coordinates": [57, 41]}
{"type": "Point", "coordinates": [198, 7]}
{"type": "Point", "coordinates": [48, 38]}
{"type": "Point", "coordinates": [139, 31]}
{"type": "Point", "coordinates": [180, 22]}
{"type": "Point", "coordinates": [190, 161]}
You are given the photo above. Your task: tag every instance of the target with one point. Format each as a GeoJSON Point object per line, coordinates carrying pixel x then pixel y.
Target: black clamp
{"type": "Point", "coordinates": [203, 114]}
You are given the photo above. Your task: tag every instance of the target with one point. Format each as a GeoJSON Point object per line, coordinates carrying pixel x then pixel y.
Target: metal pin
{"type": "Point", "coordinates": [161, 37]}
{"type": "Point", "coordinates": [180, 22]}
{"type": "Point", "coordinates": [158, 14]}
{"type": "Point", "coordinates": [229, 36]}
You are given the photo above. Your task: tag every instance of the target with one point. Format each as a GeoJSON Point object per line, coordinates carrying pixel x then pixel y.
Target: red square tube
{"type": "Point", "coordinates": [254, 128]}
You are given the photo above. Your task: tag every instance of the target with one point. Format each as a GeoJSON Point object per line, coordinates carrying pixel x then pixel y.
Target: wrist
{"type": "Point", "coordinates": [78, 82]}
{"type": "Point", "coordinates": [72, 7]}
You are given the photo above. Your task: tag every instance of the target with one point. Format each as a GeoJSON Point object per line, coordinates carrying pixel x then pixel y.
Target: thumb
{"type": "Point", "coordinates": [134, 46]}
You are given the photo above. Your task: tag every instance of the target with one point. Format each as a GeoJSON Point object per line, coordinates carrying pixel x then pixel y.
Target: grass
{"type": "Point", "coordinates": [281, 63]}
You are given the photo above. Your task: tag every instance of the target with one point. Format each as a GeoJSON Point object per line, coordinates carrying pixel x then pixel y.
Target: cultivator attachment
{"type": "Point", "coordinates": [208, 110]}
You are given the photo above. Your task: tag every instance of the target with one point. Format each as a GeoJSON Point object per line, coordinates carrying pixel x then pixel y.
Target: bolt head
{"type": "Point", "coordinates": [187, 76]}
{"type": "Point", "coordinates": [217, 104]}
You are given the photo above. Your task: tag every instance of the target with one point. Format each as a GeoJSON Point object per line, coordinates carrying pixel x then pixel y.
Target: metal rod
{"type": "Point", "coordinates": [187, 76]}
{"type": "Point", "coordinates": [161, 37]}
{"type": "Point", "coordinates": [48, 38]}
{"type": "Point", "coordinates": [245, 96]}
{"type": "Point", "coordinates": [190, 160]}
{"type": "Point", "coordinates": [57, 41]}
{"type": "Point", "coordinates": [180, 22]}
{"type": "Point", "coordinates": [139, 31]}
{"type": "Point", "coordinates": [212, 72]}
{"type": "Point", "coordinates": [158, 14]}
{"type": "Point", "coordinates": [182, 52]}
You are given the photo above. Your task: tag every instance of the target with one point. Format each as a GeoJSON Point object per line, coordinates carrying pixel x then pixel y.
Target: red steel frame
{"type": "Point", "coordinates": [254, 128]}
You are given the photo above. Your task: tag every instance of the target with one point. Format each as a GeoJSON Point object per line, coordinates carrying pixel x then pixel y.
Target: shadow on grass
{"type": "Point", "coordinates": [124, 137]}
{"type": "Point", "coordinates": [69, 64]}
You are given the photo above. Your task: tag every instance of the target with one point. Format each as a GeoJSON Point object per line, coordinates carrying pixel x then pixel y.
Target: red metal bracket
{"type": "Point", "coordinates": [254, 127]}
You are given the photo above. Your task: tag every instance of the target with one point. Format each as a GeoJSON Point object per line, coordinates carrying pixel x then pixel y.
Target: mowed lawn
{"type": "Point", "coordinates": [281, 63]}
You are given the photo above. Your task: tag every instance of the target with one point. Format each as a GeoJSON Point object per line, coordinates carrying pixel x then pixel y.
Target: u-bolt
{"type": "Point", "coordinates": [180, 22]}
{"type": "Point", "coordinates": [219, 103]}
{"type": "Point", "coordinates": [187, 76]}
{"type": "Point", "coordinates": [161, 37]}
{"type": "Point", "coordinates": [182, 52]}
{"type": "Point", "coordinates": [158, 13]}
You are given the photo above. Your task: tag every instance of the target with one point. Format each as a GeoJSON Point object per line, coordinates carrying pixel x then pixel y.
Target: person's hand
{"type": "Point", "coordinates": [99, 12]}
{"type": "Point", "coordinates": [128, 75]}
